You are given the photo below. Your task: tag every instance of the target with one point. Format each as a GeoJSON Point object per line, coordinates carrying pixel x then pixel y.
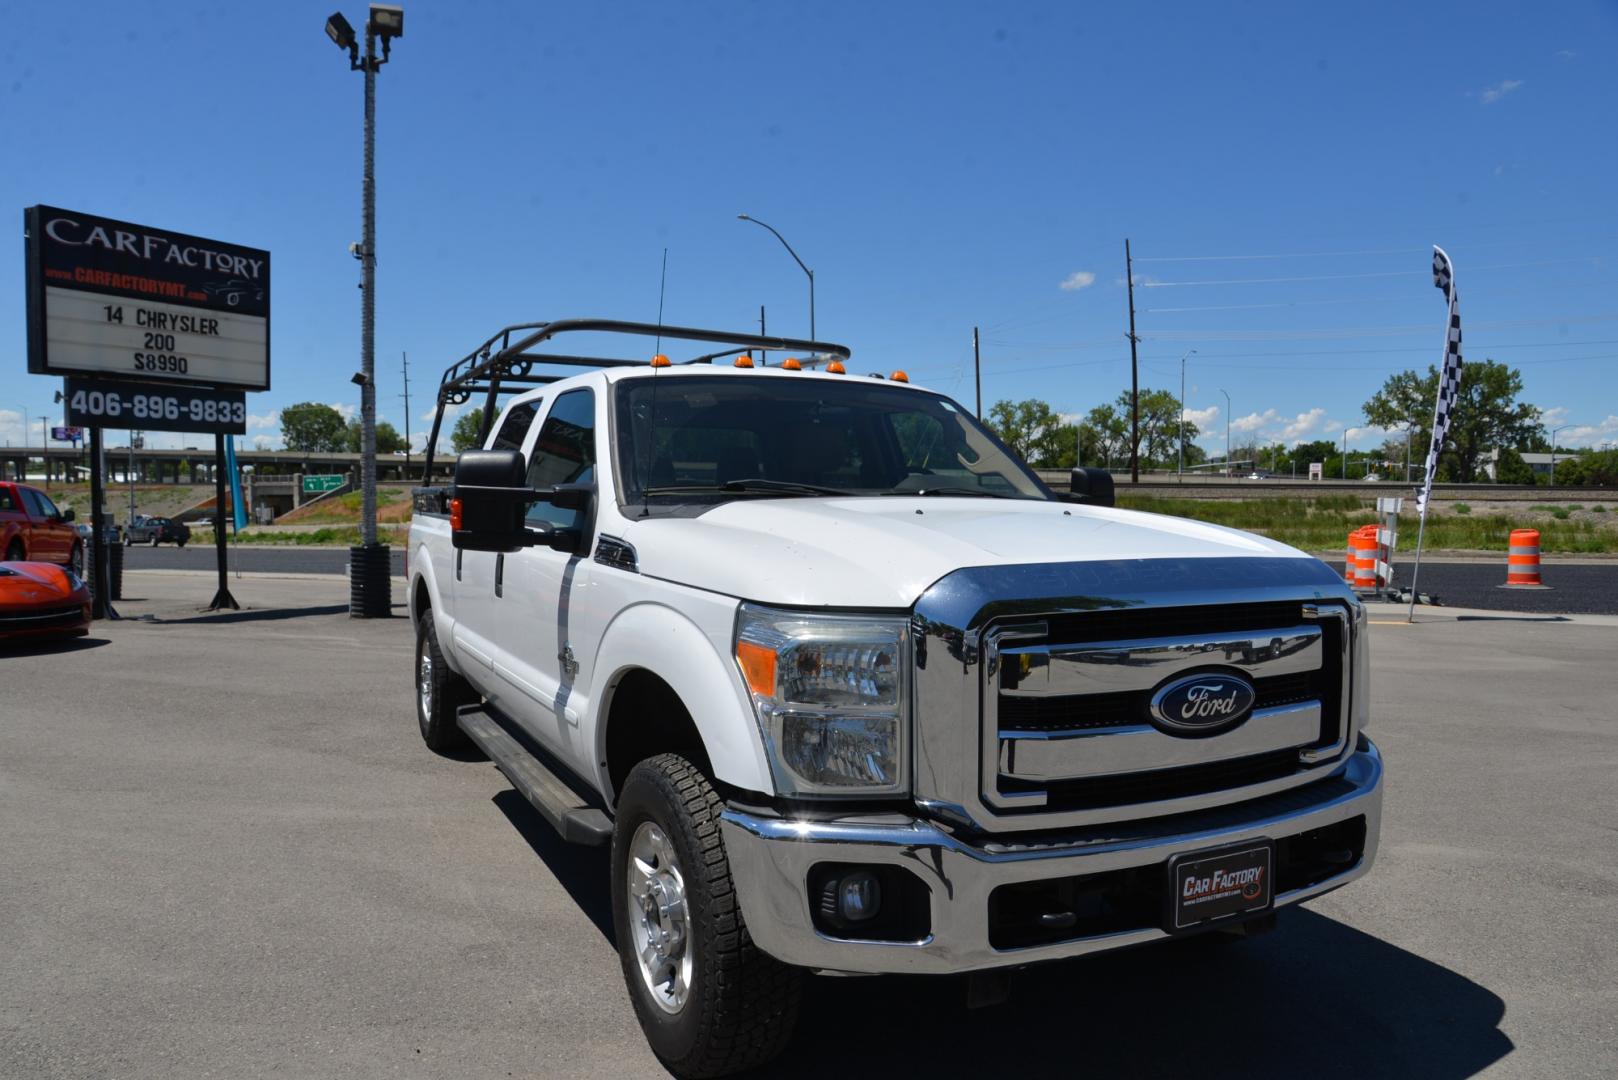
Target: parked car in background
{"type": "Point", "coordinates": [32, 528]}
{"type": "Point", "coordinates": [42, 600]}
{"type": "Point", "coordinates": [156, 530]}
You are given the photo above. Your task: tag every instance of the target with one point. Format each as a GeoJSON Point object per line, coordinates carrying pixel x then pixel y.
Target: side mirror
{"type": "Point", "coordinates": [489, 501]}
{"type": "Point", "coordinates": [67, 515]}
{"type": "Point", "coordinates": [1091, 486]}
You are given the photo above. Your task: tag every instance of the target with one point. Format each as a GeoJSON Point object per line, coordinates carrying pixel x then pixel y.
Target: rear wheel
{"type": "Point", "coordinates": [14, 553]}
{"type": "Point", "coordinates": [709, 1002]}
{"type": "Point", "coordinates": [439, 692]}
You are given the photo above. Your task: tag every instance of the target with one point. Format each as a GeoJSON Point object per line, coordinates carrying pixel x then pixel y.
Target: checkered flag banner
{"type": "Point", "coordinates": [1449, 380]}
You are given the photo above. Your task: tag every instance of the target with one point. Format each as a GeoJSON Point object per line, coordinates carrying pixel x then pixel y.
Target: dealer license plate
{"type": "Point", "coordinates": [1211, 885]}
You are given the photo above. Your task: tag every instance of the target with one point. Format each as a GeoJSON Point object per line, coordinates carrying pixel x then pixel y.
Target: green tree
{"type": "Point", "coordinates": [1487, 415]}
{"type": "Point", "coordinates": [465, 435]}
{"type": "Point", "coordinates": [1159, 426]}
{"type": "Point", "coordinates": [1593, 467]}
{"type": "Point", "coordinates": [1030, 428]}
{"type": "Point", "coordinates": [388, 439]}
{"type": "Point", "coordinates": [1104, 436]}
{"type": "Point", "coordinates": [314, 428]}
{"type": "Point", "coordinates": [1512, 469]}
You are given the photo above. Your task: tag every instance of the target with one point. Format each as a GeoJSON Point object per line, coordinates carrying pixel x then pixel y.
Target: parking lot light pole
{"type": "Point", "coordinates": [801, 266]}
{"type": "Point", "coordinates": [1227, 431]}
{"type": "Point", "coordinates": [370, 563]}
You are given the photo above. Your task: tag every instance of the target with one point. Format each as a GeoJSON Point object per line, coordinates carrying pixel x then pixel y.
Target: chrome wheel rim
{"type": "Point", "coordinates": [424, 681]}
{"type": "Point", "coordinates": [658, 922]}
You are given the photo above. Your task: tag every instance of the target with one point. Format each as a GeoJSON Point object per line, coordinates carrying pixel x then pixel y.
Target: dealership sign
{"type": "Point", "coordinates": [111, 299]}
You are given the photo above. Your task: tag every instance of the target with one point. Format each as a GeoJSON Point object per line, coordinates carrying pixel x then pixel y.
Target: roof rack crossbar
{"type": "Point", "coordinates": [503, 364]}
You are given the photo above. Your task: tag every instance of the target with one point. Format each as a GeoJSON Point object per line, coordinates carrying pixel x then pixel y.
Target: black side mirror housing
{"type": "Point", "coordinates": [489, 504]}
{"type": "Point", "coordinates": [1092, 487]}
{"type": "Point", "coordinates": [67, 515]}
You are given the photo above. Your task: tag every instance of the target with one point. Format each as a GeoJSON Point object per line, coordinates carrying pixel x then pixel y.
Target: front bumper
{"type": "Point", "coordinates": [771, 857]}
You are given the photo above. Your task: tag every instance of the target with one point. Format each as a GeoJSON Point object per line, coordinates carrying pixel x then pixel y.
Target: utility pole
{"type": "Point", "coordinates": [404, 363]}
{"type": "Point", "coordinates": [1345, 453]}
{"type": "Point", "coordinates": [1227, 431]}
{"type": "Point", "coordinates": [977, 371]}
{"type": "Point", "coordinates": [1182, 412]}
{"type": "Point", "coordinates": [1134, 372]}
{"type": "Point", "coordinates": [763, 356]}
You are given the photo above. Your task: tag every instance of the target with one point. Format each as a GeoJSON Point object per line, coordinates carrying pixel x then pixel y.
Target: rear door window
{"type": "Point", "coordinates": [564, 453]}
{"type": "Point", "coordinates": [514, 428]}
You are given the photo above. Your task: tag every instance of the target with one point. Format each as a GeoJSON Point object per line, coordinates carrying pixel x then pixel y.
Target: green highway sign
{"type": "Point", "coordinates": [319, 485]}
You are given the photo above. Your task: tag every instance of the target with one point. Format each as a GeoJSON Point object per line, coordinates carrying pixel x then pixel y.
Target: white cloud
{"type": "Point", "coordinates": [11, 427]}
{"type": "Point", "coordinates": [1254, 421]}
{"type": "Point", "coordinates": [1305, 423]}
{"type": "Point", "coordinates": [1565, 54]}
{"type": "Point", "coordinates": [1555, 416]}
{"type": "Point", "coordinates": [1492, 94]}
{"type": "Point", "coordinates": [1202, 417]}
{"type": "Point", "coordinates": [348, 412]}
{"type": "Point", "coordinates": [1356, 434]}
{"type": "Point", "coordinates": [1079, 279]}
{"type": "Point", "coordinates": [262, 421]}
{"type": "Point", "coordinates": [1591, 435]}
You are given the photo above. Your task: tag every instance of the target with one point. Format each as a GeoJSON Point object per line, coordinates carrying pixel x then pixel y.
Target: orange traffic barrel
{"type": "Point", "coordinates": [1348, 560]}
{"type": "Point", "coordinates": [1522, 560]}
{"type": "Point", "coordinates": [1363, 542]}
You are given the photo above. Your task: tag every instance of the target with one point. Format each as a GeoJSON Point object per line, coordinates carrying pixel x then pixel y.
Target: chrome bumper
{"type": "Point", "coordinates": [770, 859]}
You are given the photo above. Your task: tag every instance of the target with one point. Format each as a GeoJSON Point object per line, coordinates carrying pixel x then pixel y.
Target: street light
{"type": "Point", "coordinates": [801, 266]}
{"type": "Point", "coordinates": [1554, 431]}
{"type": "Point", "coordinates": [369, 565]}
{"type": "Point", "coordinates": [1227, 431]}
{"type": "Point", "coordinates": [1190, 352]}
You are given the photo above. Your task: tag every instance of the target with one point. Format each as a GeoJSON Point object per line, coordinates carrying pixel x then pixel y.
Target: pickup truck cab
{"type": "Point", "coordinates": [848, 689]}
{"type": "Point", "coordinates": [33, 528]}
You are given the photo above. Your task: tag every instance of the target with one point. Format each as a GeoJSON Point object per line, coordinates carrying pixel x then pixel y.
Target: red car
{"type": "Point", "coordinates": [32, 528]}
{"type": "Point", "coordinates": [41, 600]}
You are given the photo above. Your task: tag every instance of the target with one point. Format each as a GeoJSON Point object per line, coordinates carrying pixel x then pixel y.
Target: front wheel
{"type": "Point", "coordinates": [439, 692]}
{"type": "Point", "coordinates": [709, 1002]}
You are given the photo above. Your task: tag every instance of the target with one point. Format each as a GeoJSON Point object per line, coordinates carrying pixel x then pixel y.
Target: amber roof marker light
{"type": "Point", "coordinates": [660, 360]}
{"type": "Point", "coordinates": [744, 360]}
{"type": "Point", "coordinates": [791, 364]}
{"type": "Point", "coordinates": [899, 376]}
{"type": "Point", "coordinates": [835, 368]}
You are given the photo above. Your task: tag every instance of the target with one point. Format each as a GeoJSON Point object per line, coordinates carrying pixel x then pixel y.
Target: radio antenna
{"type": "Point", "coordinates": [651, 421]}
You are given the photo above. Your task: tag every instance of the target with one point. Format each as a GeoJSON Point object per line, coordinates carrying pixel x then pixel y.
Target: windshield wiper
{"type": "Point", "coordinates": [970, 492]}
{"type": "Point", "coordinates": [750, 484]}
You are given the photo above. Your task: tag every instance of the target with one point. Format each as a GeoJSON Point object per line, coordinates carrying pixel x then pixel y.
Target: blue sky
{"type": "Point", "coordinates": [939, 165]}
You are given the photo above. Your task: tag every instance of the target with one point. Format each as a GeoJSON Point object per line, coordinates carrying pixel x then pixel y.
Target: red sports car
{"type": "Point", "coordinates": [40, 600]}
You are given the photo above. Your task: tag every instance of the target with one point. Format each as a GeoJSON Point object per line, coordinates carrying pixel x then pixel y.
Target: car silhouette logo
{"type": "Point", "coordinates": [1205, 704]}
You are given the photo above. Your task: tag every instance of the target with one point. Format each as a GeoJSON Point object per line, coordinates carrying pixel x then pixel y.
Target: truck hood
{"type": "Point", "coordinates": [884, 552]}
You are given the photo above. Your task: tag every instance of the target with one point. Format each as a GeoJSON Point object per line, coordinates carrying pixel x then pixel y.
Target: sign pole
{"type": "Point", "coordinates": [222, 599]}
{"type": "Point", "coordinates": [101, 601]}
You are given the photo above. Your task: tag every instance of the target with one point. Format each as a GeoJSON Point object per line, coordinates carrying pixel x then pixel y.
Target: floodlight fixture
{"type": "Point", "coordinates": [387, 20]}
{"type": "Point", "coordinates": [340, 32]}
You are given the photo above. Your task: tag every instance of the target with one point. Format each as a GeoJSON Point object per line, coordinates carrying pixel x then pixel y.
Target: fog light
{"type": "Point", "coordinates": [858, 897]}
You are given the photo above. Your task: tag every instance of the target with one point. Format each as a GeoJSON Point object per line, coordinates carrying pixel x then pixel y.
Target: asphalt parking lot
{"type": "Point", "coordinates": [225, 852]}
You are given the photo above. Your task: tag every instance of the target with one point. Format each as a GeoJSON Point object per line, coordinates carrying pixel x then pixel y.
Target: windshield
{"type": "Point", "coordinates": [696, 438]}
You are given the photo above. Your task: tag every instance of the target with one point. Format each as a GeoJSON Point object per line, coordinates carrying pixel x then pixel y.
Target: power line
{"type": "Point", "coordinates": [1346, 277]}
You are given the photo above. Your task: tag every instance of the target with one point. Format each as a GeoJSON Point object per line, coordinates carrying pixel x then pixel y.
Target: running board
{"type": "Point", "coordinates": [574, 819]}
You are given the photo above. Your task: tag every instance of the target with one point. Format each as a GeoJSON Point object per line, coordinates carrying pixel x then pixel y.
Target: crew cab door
{"type": "Point", "coordinates": [474, 579]}
{"type": "Point", "coordinates": [548, 626]}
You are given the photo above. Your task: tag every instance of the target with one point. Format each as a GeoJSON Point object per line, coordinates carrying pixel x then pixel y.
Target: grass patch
{"type": "Point", "coordinates": [337, 536]}
{"type": "Point", "coordinates": [1575, 506]}
{"type": "Point", "coordinates": [1324, 524]}
{"type": "Point", "coordinates": [1462, 508]}
{"type": "Point", "coordinates": [1541, 508]}
{"type": "Point", "coordinates": [1560, 514]}
{"type": "Point", "coordinates": [1598, 509]}
{"type": "Point", "coordinates": [344, 509]}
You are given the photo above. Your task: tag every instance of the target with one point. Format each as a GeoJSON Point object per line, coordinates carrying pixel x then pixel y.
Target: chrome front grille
{"type": "Point", "coordinates": [1032, 705]}
{"type": "Point", "coordinates": [1059, 714]}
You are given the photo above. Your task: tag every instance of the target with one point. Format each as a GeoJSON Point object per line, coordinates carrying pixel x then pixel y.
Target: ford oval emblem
{"type": "Point", "coordinates": [1203, 704]}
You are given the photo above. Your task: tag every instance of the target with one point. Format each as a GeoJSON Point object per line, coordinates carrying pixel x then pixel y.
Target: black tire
{"type": "Point", "coordinates": [179, 543]}
{"type": "Point", "coordinates": [741, 1004]}
{"type": "Point", "coordinates": [129, 540]}
{"type": "Point", "coordinates": [439, 692]}
{"type": "Point", "coordinates": [155, 539]}
{"type": "Point", "coordinates": [15, 553]}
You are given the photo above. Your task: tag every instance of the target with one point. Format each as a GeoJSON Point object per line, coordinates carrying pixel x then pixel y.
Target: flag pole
{"type": "Point", "coordinates": [1452, 355]}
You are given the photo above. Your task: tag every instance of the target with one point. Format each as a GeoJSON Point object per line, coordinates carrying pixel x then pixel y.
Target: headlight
{"type": "Point", "coordinates": [830, 696]}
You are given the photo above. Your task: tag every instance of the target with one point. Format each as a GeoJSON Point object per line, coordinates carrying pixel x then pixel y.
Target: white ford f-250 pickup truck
{"type": "Point", "coordinates": [849, 689]}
